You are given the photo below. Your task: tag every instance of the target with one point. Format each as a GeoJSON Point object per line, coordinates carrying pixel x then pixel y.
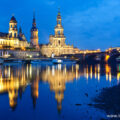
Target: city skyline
{"type": "Point", "coordinates": [91, 22]}
{"type": "Point", "coordinates": [59, 60]}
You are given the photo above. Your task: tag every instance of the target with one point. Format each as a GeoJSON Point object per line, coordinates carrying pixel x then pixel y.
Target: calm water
{"type": "Point", "coordinates": [43, 91]}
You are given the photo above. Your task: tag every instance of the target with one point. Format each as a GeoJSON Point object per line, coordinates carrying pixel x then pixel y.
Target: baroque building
{"type": "Point", "coordinates": [57, 45]}
{"type": "Point", "coordinates": [34, 34]}
{"type": "Point", "coordinates": [12, 39]}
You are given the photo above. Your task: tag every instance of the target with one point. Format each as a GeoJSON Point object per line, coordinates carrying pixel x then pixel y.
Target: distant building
{"type": "Point", "coordinates": [13, 39]}
{"type": "Point", "coordinates": [34, 34]}
{"type": "Point", "coordinates": [113, 49]}
{"type": "Point", "coordinates": [57, 45]}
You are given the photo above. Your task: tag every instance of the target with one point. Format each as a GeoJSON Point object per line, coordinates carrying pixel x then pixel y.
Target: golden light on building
{"type": "Point", "coordinates": [57, 45]}
{"type": "Point", "coordinates": [107, 57]}
{"type": "Point", "coordinates": [13, 39]}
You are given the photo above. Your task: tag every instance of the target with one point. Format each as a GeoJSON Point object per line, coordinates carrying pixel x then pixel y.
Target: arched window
{"type": "Point", "coordinates": [10, 35]}
{"type": "Point", "coordinates": [15, 35]}
{"type": "Point", "coordinates": [58, 32]}
{"type": "Point", "coordinates": [59, 42]}
{"type": "Point", "coordinates": [59, 22]}
{"type": "Point", "coordinates": [15, 26]}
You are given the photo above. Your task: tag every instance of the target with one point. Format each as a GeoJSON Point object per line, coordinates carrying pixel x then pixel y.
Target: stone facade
{"type": "Point", "coordinates": [57, 45]}
{"type": "Point", "coordinates": [13, 39]}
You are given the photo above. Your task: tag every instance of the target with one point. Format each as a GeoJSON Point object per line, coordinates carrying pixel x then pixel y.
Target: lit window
{"type": "Point", "coordinates": [15, 26]}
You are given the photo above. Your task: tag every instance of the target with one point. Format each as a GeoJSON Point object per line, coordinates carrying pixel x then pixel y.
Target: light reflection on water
{"type": "Point", "coordinates": [14, 80]}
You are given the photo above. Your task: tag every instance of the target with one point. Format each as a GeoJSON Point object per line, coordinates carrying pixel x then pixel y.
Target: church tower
{"type": "Point", "coordinates": [13, 32]}
{"type": "Point", "coordinates": [57, 45]}
{"type": "Point", "coordinates": [58, 39]}
{"type": "Point", "coordinates": [34, 34]}
{"type": "Point", "coordinates": [20, 31]}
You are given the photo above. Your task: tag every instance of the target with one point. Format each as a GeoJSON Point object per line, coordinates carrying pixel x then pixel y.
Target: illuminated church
{"type": "Point", "coordinates": [57, 45]}
{"type": "Point", "coordinates": [34, 34]}
{"type": "Point", "coordinates": [13, 38]}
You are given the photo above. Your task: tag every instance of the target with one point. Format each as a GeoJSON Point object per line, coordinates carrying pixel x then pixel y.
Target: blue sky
{"type": "Point", "coordinates": [88, 24]}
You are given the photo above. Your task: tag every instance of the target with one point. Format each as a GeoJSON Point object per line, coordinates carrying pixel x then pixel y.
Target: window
{"type": "Point", "coordinates": [59, 22]}
{"type": "Point", "coordinates": [15, 26]}
{"type": "Point", "coordinates": [11, 26]}
{"type": "Point", "coordinates": [15, 35]}
{"type": "Point", "coordinates": [10, 35]}
{"type": "Point", "coordinates": [59, 42]}
{"type": "Point", "coordinates": [58, 32]}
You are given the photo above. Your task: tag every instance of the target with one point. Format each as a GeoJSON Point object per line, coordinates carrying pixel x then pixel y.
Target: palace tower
{"type": "Point", "coordinates": [13, 32]}
{"type": "Point", "coordinates": [12, 39]}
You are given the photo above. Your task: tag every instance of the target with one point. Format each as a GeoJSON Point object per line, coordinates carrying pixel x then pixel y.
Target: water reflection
{"type": "Point", "coordinates": [15, 79]}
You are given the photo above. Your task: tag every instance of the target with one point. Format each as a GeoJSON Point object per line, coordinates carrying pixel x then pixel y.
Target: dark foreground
{"type": "Point", "coordinates": [59, 92]}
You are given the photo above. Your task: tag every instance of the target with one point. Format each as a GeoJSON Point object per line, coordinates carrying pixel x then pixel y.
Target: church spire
{"type": "Point", "coordinates": [59, 17]}
{"type": "Point", "coordinates": [34, 33]}
{"type": "Point", "coordinates": [34, 20]}
{"type": "Point", "coordinates": [58, 11]}
{"type": "Point", "coordinates": [20, 30]}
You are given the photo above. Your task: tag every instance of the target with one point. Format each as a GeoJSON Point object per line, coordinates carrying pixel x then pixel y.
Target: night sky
{"type": "Point", "coordinates": [88, 24]}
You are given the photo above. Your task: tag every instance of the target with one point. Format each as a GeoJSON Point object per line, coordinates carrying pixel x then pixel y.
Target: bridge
{"type": "Point", "coordinates": [100, 57]}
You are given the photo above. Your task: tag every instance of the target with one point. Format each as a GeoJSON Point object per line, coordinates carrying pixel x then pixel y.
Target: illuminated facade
{"type": "Point", "coordinates": [13, 39]}
{"type": "Point", "coordinates": [109, 50]}
{"type": "Point", "coordinates": [57, 45]}
{"type": "Point", "coordinates": [34, 34]}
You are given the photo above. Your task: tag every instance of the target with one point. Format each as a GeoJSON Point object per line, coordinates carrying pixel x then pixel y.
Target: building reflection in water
{"type": "Point", "coordinates": [57, 76]}
{"type": "Point", "coordinates": [14, 79]}
{"type": "Point", "coordinates": [108, 72]}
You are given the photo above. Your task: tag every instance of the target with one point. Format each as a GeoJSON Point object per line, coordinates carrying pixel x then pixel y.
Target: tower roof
{"type": "Point", "coordinates": [13, 20]}
{"type": "Point", "coordinates": [20, 30]}
{"type": "Point", "coordinates": [34, 22]}
{"type": "Point", "coordinates": [59, 15]}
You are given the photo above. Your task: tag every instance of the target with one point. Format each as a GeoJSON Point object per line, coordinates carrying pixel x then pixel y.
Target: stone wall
{"type": "Point", "coordinates": [19, 54]}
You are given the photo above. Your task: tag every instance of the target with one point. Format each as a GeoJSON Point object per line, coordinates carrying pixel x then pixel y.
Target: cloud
{"type": "Point", "coordinates": [50, 3]}
{"type": "Point", "coordinates": [99, 24]}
